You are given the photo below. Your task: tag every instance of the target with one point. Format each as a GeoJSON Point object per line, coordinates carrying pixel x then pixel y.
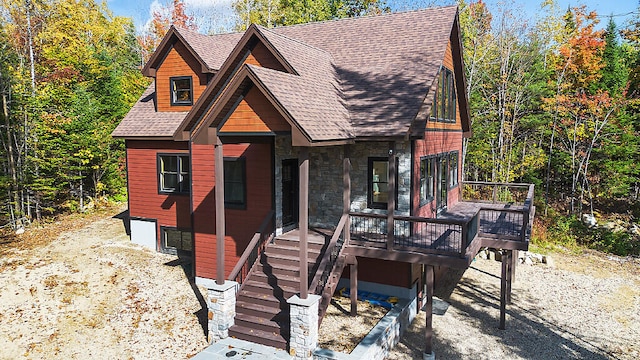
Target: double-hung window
{"type": "Point", "coordinates": [444, 99]}
{"type": "Point", "coordinates": [427, 179]}
{"type": "Point", "coordinates": [235, 183]}
{"type": "Point", "coordinates": [453, 169]}
{"type": "Point", "coordinates": [173, 173]}
{"type": "Point", "coordinates": [181, 90]}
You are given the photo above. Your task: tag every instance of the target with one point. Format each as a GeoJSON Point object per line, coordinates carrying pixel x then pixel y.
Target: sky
{"type": "Point", "coordinates": [218, 15]}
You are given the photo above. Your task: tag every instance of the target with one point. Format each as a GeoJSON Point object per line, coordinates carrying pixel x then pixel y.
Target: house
{"type": "Point", "coordinates": [333, 144]}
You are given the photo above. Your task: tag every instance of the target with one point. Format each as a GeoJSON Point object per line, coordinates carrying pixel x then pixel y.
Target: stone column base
{"type": "Point", "coordinates": [431, 356]}
{"type": "Point", "coordinates": [304, 326]}
{"type": "Point", "coordinates": [221, 306]}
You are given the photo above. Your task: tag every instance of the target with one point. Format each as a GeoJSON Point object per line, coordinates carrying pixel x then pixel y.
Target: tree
{"type": "Point", "coordinates": [271, 13]}
{"type": "Point", "coordinates": [166, 15]}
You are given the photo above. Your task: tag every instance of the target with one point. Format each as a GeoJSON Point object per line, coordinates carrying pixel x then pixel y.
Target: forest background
{"type": "Point", "coordinates": [554, 101]}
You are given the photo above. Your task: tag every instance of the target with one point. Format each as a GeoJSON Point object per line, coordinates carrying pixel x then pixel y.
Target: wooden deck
{"type": "Point", "coordinates": [451, 239]}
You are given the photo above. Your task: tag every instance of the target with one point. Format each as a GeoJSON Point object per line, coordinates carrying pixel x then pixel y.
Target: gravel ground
{"type": "Point", "coordinates": [88, 292]}
{"type": "Point", "coordinates": [586, 308]}
{"type": "Point", "coordinates": [92, 294]}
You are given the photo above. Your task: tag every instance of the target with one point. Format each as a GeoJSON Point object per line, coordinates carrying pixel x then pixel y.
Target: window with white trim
{"type": "Point", "coordinates": [173, 173]}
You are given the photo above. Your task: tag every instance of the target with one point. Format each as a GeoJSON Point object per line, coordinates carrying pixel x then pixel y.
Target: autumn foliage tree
{"type": "Point", "coordinates": [163, 18]}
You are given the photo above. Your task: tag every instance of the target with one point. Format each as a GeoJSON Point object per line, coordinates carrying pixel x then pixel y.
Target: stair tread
{"type": "Point", "coordinates": [256, 295]}
{"type": "Point", "coordinates": [257, 335]}
{"type": "Point", "coordinates": [263, 285]}
{"type": "Point", "coordinates": [259, 320]}
{"type": "Point", "coordinates": [262, 275]}
{"type": "Point", "coordinates": [272, 310]}
{"type": "Point", "coordinates": [310, 259]}
{"type": "Point", "coordinates": [294, 237]}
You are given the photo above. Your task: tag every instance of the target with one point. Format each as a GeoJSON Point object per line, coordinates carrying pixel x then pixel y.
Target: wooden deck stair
{"type": "Point", "coordinates": [262, 312]}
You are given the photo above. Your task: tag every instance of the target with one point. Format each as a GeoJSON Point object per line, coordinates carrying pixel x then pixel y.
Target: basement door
{"type": "Point", "coordinates": [290, 190]}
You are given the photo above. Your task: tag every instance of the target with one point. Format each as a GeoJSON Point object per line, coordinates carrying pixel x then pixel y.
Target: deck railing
{"type": "Point", "coordinates": [502, 211]}
{"type": "Point", "coordinates": [325, 281]}
{"type": "Point", "coordinates": [254, 250]}
{"type": "Point", "coordinates": [497, 193]}
{"type": "Point", "coordinates": [426, 235]}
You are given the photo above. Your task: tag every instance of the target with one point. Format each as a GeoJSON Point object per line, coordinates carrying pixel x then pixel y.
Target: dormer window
{"type": "Point", "coordinates": [444, 99]}
{"type": "Point", "coordinates": [181, 90]}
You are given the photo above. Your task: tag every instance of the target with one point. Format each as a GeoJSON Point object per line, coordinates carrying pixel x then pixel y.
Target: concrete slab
{"type": "Point", "coordinates": [235, 349]}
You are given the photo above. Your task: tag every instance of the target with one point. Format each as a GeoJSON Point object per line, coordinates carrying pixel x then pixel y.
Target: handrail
{"type": "Point", "coordinates": [326, 259]}
{"type": "Point", "coordinates": [411, 218]}
{"type": "Point", "coordinates": [495, 184]}
{"type": "Point", "coordinates": [254, 244]}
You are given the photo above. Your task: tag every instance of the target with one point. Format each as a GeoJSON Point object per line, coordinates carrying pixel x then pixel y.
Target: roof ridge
{"type": "Point", "coordinates": [261, 28]}
{"type": "Point", "coordinates": [368, 16]}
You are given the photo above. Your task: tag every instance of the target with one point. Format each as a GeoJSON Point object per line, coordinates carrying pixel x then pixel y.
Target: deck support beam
{"type": "Point", "coordinates": [428, 310]}
{"type": "Point", "coordinates": [303, 216]}
{"type": "Point", "coordinates": [220, 221]}
{"type": "Point", "coordinates": [391, 195]}
{"type": "Point", "coordinates": [353, 279]}
{"type": "Point", "coordinates": [505, 286]}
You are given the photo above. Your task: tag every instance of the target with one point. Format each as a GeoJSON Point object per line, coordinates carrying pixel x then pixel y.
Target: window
{"type": "Point", "coordinates": [235, 189]}
{"type": "Point", "coordinates": [181, 90]}
{"type": "Point", "coordinates": [444, 99]}
{"type": "Point", "coordinates": [174, 173]}
{"type": "Point", "coordinates": [174, 240]}
{"type": "Point", "coordinates": [378, 183]}
{"type": "Point", "coordinates": [453, 169]}
{"type": "Point", "coordinates": [427, 179]}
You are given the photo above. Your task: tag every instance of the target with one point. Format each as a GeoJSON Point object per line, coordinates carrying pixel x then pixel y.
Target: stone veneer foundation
{"type": "Point", "coordinates": [325, 178]}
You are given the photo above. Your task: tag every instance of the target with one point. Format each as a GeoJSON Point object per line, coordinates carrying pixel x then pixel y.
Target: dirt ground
{"type": "Point", "coordinates": [79, 289]}
{"type": "Point", "coordinates": [90, 293]}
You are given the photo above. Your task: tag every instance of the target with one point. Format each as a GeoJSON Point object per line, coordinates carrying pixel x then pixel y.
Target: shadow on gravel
{"type": "Point", "coordinates": [527, 334]}
{"type": "Point", "coordinates": [186, 262]}
{"type": "Point", "coordinates": [124, 216]}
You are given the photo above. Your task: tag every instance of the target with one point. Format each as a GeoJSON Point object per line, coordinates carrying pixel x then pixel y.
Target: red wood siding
{"type": "Point", "coordinates": [178, 62]}
{"type": "Point", "coordinates": [382, 272]}
{"type": "Point", "coordinates": [261, 56]}
{"type": "Point", "coordinates": [240, 224]}
{"type": "Point", "coordinates": [142, 176]}
{"type": "Point", "coordinates": [435, 142]}
{"type": "Point", "coordinates": [255, 114]}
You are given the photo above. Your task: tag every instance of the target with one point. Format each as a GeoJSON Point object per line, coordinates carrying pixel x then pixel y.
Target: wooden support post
{"type": "Point", "coordinates": [303, 164]}
{"type": "Point", "coordinates": [391, 197]}
{"type": "Point", "coordinates": [503, 291]}
{"type": "Point", "coordinates": [220, 221]}
{"type": "Point", "coordinates": [514, 265]}
{"type": "Point", "coordinates": [346, 192]}
{"type": "Point", "coordinates": [428, 309]}
{"type": "Point", "coordinates": [353, 295]}
{"type": "Point", "coordinates": [509, 260]}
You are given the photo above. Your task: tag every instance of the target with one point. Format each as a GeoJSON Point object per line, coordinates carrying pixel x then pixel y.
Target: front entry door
{"type": "Point", "coordinates": [441, 183]}
{"type": "Point", "coordinates": [290, 194]}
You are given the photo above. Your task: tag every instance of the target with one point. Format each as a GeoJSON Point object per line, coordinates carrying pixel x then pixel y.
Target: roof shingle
{"type": "Point", "coordinates": [357, 77]}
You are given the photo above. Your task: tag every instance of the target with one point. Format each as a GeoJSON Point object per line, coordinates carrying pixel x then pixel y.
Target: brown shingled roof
{"type": "Point", "coordinates": [144, 121]}
{"type": "Point", "coordinates": [213, 49]}
{"type": "Point", "coordinates": [358, 77]}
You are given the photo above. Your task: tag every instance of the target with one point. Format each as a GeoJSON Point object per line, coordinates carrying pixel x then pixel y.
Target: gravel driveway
{"type": "Point", "coordinates": [90, 293]}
